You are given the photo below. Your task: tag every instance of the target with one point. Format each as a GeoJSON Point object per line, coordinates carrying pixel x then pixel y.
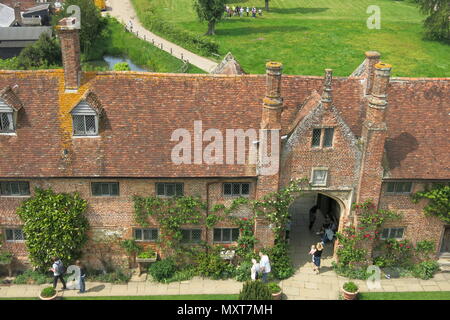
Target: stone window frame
{"type": "Point", "coordinates": [394, 184]}
{"type": "Point", "coordinates": [15, 195]}
{"type": "Point", "coordinates": [14, 229]}
{"type": "Point", "coordinates": [313, 169]}
{"type": "Point", "coordinates": [190, 231]}
{"type": "Point", "coordinates": [142, 238]}
{"type": "Point", "coordinates": [321, 144]}
{"type": "Point", "coordinates": [221, 235]}
{"type": "Point", "coordinates": [109, 189]}
{"type": "Point", "coordinates": [390, 230]}
{"type": "Point", "coordinates": [236, 195]}
{"type": "Point", "coordinates": [176, 185]}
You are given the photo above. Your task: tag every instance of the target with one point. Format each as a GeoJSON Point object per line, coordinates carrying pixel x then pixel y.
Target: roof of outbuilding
{"type": "Point", "coordinates": [23, 33]}
{"type": "Point", "coordinates": [6, 16]}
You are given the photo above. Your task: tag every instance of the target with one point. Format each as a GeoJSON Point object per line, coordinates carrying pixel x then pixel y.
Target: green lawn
{"type": "Point", "coordinates": [311, 35]}
{"type": "Point", "coordinates": [169, 297]}
{"type": "Point", "coordinates": [118, 42]}
{"type": "Point", "coordinates": [435, 295]}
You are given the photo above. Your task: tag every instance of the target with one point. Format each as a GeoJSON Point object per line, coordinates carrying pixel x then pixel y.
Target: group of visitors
{"type": "Point", "coordinates": [240, 11]}
{"type": "Point", "coordinates": [260, 269]}
{"type": "Point", "coordinates": [326, 232]}
{"type": "Point", "coordinates": [59, 270]}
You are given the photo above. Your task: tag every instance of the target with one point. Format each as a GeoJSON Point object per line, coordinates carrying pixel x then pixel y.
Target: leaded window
{"type": "Point", "coordinates": [399, 187]}
{"type": "Point", "coordinates": [6, 122]}
{"type": "Point", "coordinates": [191, 235]}
{"type": "Point", "coordinates": [13, 235]}
{"type": "Point", "coordinates": [322, 138]}
{"type": "Point", "coordinates": [14, 188]}
{"type": "Point", "coordinates": [316, 137]}
{"type": "Point", "coordinates": [105, 188]}
{"type": "Point", "coordinates": [392, 233]}
{"type": "Point", "coordinates": [165, 189]}
{"type": "Point", "coordinates": [226, 235]}
{"type": "Point", "coordinates": [146, 234]}
{"type": "Point", "coordinates": [85, 120]}
{"type": "Point", "coordinates": [236, 189]}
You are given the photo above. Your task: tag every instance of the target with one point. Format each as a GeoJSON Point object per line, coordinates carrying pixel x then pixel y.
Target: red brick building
{"type": "Point", "coordinates": [107, 135]}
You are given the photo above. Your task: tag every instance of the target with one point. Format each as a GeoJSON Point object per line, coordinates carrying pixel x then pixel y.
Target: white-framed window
{"type": "Point", "coordinates": [105, 189]}
{"type": "Point", "coordinates": [169, 189]}
{"type": "Point", "coordinates": [145, 235]}
{"type": "Point", "coordinates": [14, 235]}
{"type": "Point", "coordinates": [226, 235]}
{"type": "Point", "coordinates": [319, 177]}
{"type": "Point", "coordinates": [85, 120]}
{"type": "Point", "coordinates": [399, 187]}
{"type": "Point", "coordinates": [322, 137]}
{"type": "Point", "coordinates": [191, 235]}
{"type": "Point", "coordinates": [236, 189]}
{"type": "Point", "coordinates": [14, 188]}
{"type": "Point", "coordinates": [392, 233]}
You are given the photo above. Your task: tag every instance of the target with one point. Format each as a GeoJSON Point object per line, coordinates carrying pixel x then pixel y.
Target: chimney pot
{"type": "Point", "coordinates": [378, 98]}
{"type": "Point", "coordinates": [70, 49]}
{"type": "Point", "coordinates": [17, 13]}
{"type": "Point", "coordinates": [272, 102]}
{"type": "Point", "coordinates": [372, 58]}
{"type": "Point", "coordinates": [327, 97]}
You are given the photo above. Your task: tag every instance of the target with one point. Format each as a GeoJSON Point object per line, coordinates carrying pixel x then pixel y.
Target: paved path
{"type": "Point", "coordinates": [123, 10]}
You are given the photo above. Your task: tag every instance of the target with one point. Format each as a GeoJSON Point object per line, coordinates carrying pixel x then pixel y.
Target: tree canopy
{"type": "Point", "coordinates": [438, 21]}
{"type": "Point", "coordinates": [211, 11]}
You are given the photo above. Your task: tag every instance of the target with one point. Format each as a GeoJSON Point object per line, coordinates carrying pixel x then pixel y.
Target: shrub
{"type": "Point", "coordinates": [148, 254]}
{"type": "Point", "coordinates": [243, 271]}
{"type": "Point", "coordinates": [426, 269]}
{"type": "Point", "coordinates": [211, 265]}
{"type": "Point", "coordinates": [255, 290]}
{"type": "Point", "coordinates": [280, 261]}
{"type": "Point", "coordinates": [187, 273]}
{"type": "Point", "coordinates": [274, 288]}
{"type": "Point", "coordinates": [5, 258]}
{"type": "Point", "coordinates": [350, 287]}
{"type": "Point", "coordinates": [48, 292]}
{"type": "Point", "coordinates": [32, 277]}
{"type": "Point", "coordinates": [116, 276]}
{"type": "Point", "coordinates": [163, 270]}
{"type": "Point", "coordinates": [54, 225]}
{"type": "Point", "coordinates": [350, 271]}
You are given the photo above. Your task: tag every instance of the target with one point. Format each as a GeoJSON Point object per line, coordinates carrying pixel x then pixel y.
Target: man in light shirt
{"type": "Point", "coordinates": [264, 265]}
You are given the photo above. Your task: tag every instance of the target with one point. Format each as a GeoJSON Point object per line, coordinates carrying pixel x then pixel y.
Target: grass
{"type": "Point", "coordinates": [168, 297]}
{"type": "Point", "coordinates": [311, 35]}
{"type": "Point", "coordinates": [116, 41]}
{"type": "Point", "coordinates": [432, 295]}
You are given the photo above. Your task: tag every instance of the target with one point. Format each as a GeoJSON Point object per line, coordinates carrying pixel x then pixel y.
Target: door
{"type": "Point", "coordinates": [445, 247]}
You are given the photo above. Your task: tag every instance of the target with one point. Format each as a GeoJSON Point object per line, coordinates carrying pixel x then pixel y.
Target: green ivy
{"type": "Point", "coordinates": [439, 201]}
{"type": "Point", "coordinates": [54, 225]}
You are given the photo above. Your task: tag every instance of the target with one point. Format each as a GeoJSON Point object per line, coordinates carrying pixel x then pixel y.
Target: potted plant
{"type": "Point", "coordinates": [275, 290]}
{"type": "Point", "coordinates": [48, 293]}
{"type": "Point", "coordinates": [350, 290]}
{"type": "Point", "coordinates": [147, 256]}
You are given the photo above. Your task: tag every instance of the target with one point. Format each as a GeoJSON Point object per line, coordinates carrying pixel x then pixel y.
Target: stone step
{"type": "Point", "coordinates": [444, 264]}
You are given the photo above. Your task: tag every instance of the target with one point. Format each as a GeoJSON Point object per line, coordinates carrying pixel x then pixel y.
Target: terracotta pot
{"type": "Point", "coordinates": [277, 296]}
{"type": "Point", "coordinates": [349, 295]}
{"type": "Point", "coordinates": [55, 297]}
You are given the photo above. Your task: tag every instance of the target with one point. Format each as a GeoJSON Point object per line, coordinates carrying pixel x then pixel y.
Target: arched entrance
{"type": "Point", "coordinates": [301, 238]}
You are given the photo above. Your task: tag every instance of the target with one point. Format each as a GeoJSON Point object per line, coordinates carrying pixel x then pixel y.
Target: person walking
{"type": "Point", "coordinates": [82, 276]}
{"type": "Point", "coordinates": [241, 12]}
{"type": "Point", "coordinates": [247, 10]}
{"type": "Point", "coordinates": [58, 272]}
{"type": "Point", "coordinates": [317, 255]}
{"type": "Point", "coordinates": [312, 216]}
{"type": "Point", "coordinates": [264, 264]}
{"type": "Point", "coordinates": [254, 271]}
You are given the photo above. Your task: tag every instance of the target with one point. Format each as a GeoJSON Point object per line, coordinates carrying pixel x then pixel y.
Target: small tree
{"type": "Point", "coordinates": [211, 11]}
{"type": "Point", "coordinates": [54, 225]}
{"type": "Point", "coordinates": [44, 53]}
{"type": "Point", "coordinates": [438, 21]}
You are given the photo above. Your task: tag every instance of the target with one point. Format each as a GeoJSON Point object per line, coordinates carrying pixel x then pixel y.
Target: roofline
{"type": "Point", "coordinates": [130, 177]}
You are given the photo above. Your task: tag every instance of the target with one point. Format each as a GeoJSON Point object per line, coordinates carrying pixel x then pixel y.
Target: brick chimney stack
{"type": "Point", "coordinates": [378, 95]}
{"type": "Point", "coordinates": [372, 58]}
{"type": "Point", "coordinates": [272, 102]}
{"type": "Point", "coordinates": [70, 49]}
{"type": "Point", "coordinates": [327, 96]}
{"type": "Point", "coordinates": [17, 15]}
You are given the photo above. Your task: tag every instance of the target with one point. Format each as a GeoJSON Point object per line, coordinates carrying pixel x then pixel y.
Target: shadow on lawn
{"type": "Point", "coordinates": [297, 10]}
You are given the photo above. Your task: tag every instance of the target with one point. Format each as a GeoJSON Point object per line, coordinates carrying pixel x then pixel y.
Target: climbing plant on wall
{"type": "Point", "coordinates": [439, 201]}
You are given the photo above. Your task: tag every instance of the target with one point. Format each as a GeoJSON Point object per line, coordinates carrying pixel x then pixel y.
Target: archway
{"type": "Point", "coordinates": [301, 238]}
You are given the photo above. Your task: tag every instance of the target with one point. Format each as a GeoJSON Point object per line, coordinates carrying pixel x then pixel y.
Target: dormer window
{"type": "Point", "coordinates": [6, 118]}
{"type": "Point", "coordinates": [85, 120]}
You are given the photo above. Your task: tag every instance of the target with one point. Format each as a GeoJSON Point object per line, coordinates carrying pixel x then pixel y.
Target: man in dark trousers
{"type": "Point", "coordinates": [312, 216]}
{"type": "Point", "coordinates": [58, 272]}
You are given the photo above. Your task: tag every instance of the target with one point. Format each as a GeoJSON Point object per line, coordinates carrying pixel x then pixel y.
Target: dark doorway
{"type": "Point", "coordinates": [445, 246]}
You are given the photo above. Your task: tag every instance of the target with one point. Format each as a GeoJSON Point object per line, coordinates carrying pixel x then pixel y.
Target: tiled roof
{"type": "Point", "coordinates": [141, 110]}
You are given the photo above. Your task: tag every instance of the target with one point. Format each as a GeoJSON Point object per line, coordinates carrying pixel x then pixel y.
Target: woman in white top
{"type": "Point", "coordinates": [264, 265]}
{"type": "Point", "coordinates": [254, 271]}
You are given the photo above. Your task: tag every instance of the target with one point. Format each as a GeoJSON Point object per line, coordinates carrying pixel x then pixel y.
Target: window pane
{"type": "Point", "coordinates": [316, 138]}
{"type": "Point", "coordinates": [235, 234]}
{"type": "Point", "coordinates": [78, 124]}
{"type": "Point", "coordinates": [179, 189]}
{"type": "Point", "coordinates": [319, 177]}
{"type": "Point", "coordinates": [217, 235]}
{"type": "Point", "coordinates": [185, 236]}
{"type": "Point", "coordinates": [90, 125]}
{"type": "Point", "coordinates": [6, 122]}
{"type": "Point", "coordinates": [226, 235]}
{"type": "Point", "coordinates": [4, 189]}
{"type": "Point", "coordinates": [148, 234]}
{"type": "Point", "coordinates": [227, 189]}
{"type": "Point", "coordinates": [398, 233]}
{"type": "Point", "coordinates": [105, 189]}
{"type": "Point", "coordinates": [9, 235]}
{"type": "Point", "coordinates": [170, 189]}
{"type": "Point", "coordinates": [236, 189]}
{"type": "Point", "coordinates": [385, 234]}
{"type": "Point", "coordinates": [96, 189]}
{"type": "Point", "coordinates": [245, 188]}
{"type": "Point", "coordinates": [328, 138]}
{"type": "Point", "coordinates": [160, 189]}
{"type": "Point", "coordinates": [154, 234]}
{"type": "Point", "coordinates": [138, 234]}
{"type": "Point", "coordinates": [390, 187]}
{"type": "Point", "coordinates": [196, 235]}
{"type": "Point", "coordinates": [18, 234]}
{"type": "Point", "coordinates": [114, 189]}
{"type": "Point", "coordinates": [24, 188]}
{"type": "Point", "coordinates": [15, 188]}
{"type": "Point", "coordinates": [407, 187]}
